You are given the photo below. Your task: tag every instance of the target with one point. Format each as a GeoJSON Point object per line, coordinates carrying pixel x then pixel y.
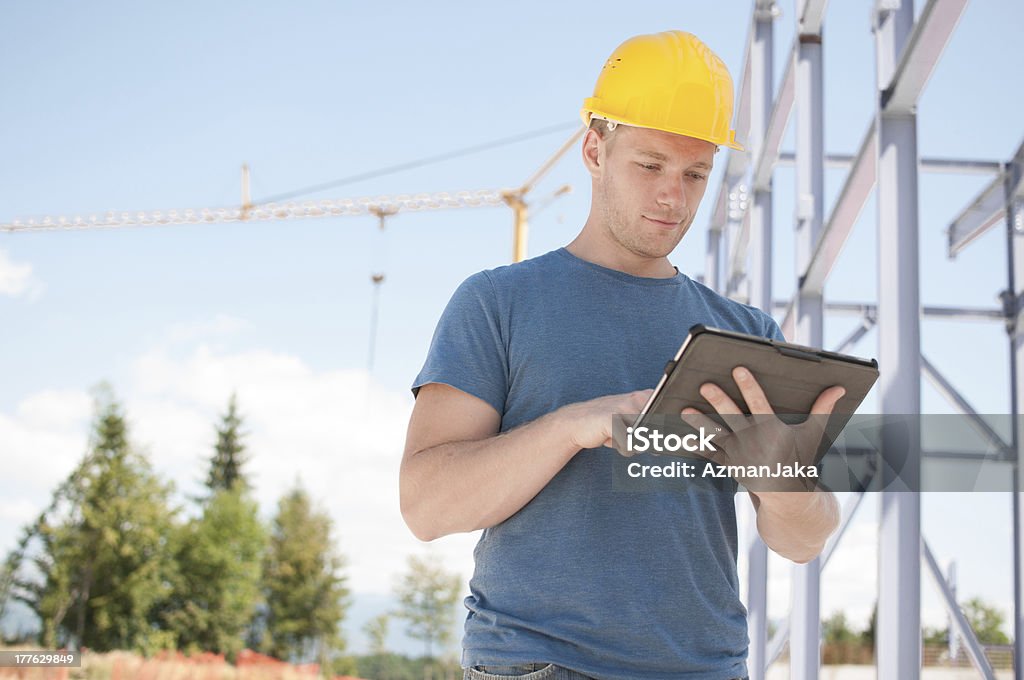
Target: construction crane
{"type": "Point", "coordinates": [381, 207]}
{"type": "Point", "coordinates": [247, 211]}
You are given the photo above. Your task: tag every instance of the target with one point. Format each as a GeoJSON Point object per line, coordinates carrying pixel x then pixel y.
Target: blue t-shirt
{"type": "Point", "coordinates": [611, 583]}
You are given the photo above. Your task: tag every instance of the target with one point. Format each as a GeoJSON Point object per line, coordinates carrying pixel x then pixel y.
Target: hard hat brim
{"type": "Point", "coordinates": [587, 112]}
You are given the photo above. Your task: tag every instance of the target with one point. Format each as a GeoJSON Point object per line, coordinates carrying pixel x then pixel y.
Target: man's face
{"type": "Point", "coordinates": [649, 187]}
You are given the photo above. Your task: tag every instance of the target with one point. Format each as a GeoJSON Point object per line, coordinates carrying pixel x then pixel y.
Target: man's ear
{"type": "Point", "coordinates": [593, 152]}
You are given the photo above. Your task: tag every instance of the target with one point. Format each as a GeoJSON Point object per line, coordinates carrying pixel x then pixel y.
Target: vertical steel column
{"type": "Point", "coordinates": [898, 634]}
{"type": "Point", "coordinates": [757, 602]}
{"type": "Point", "coordinates": [712, 258]}
{"type": "Point", "coordinates": [1012, 302]}
{"type": "Point", "coordinates": [805, 614]}
{"type": "Point", "coordinates": [730, 231]}
{"type": "Point", "coordinates": [760, 282]}
{"type": "Point", "coordinates": [723, 249]}
{"type": "Point", "coordinates": [761, 103]}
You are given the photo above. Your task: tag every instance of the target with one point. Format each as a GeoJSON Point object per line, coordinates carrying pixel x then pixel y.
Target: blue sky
{"type": "Point", "coordinates": [118, 105]}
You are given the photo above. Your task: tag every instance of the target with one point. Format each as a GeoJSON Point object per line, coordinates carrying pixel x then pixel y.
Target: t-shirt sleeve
{"type": "Point", "coordinates": [468, 350]}
{"type": "Point", "coordinates": [772, 329]}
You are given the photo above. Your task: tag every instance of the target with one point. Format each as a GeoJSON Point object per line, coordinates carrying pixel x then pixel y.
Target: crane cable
{"type": "Point", "coordinates": [457, 153]}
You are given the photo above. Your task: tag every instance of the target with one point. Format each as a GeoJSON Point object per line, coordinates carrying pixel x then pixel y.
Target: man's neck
{"type": "Point", "coordinates": [585, 248]}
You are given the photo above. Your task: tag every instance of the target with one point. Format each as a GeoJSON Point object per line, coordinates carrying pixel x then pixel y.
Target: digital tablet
{"type": "Point", "coordinates": [792, 376]}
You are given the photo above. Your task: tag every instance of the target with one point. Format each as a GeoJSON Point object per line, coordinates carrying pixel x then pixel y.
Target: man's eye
{"type": "Point", "coordinates": [697, 176]}
{"type": "Point", "coordinates": [648, 166]}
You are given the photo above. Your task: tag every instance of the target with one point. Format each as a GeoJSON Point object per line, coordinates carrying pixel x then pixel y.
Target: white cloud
{"type": "Point", "coordinates": [39, 445]}
{"type": "Point", "coordinates": [337, 431]}
{"type": "Point", "coordinates": [219, 326]}
{"type": "Point", "coordinates": [58, 410]}
{"type": "Point", "coordinates": [19, 511]}
{"type": "Point", "coordinates": [16, 278]}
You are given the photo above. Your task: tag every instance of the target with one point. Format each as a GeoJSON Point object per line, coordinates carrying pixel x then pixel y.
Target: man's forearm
{"type": "Point", "coordinates": [797, 525]}
{"type": "Point", "coordinates": [463, 486]}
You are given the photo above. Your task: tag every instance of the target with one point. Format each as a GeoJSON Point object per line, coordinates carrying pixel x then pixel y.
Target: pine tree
{"type": "Point", "coordinates": [217, 588]}
{"type": "Point", "coordinates": [219, 555]}
{"type": "Point", "coordinates": [305, 590]}
{"type": "Point", "coordinates": [229, 452]}
{"type": "Point", "coordinates": [103, 558]}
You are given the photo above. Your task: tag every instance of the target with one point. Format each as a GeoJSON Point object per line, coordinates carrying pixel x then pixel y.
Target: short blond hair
{"type": "Point", "coordinates": [605, 131]}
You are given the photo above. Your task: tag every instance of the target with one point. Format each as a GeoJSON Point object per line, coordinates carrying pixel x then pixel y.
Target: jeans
{"type": "Point", "coordinates": [530, 671]}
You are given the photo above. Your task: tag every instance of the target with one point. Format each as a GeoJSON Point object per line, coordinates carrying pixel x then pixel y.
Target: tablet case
{"type": "Point", "coordinates": [792, 376]}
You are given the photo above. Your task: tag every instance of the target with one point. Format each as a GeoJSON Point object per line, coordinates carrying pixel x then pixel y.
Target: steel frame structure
{"type": "Point", "coordinates": [738, 264]}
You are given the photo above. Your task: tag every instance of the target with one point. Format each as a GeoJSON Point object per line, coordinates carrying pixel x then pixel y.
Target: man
{"type": "Point", "coordinates": [512, 424]}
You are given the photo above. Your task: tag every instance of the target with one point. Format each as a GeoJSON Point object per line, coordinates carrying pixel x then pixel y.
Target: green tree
{"type": "Point", "coordinates": [935, 636]}
{"type": "Point", "coordinates": [867, 636]}
{"type": "Point", "coordinates": [836, 629]}
{"type": "Point", "coordinates": [376, 630]}
{"type": "Point", "coordinates": [229, 452]}
{"type": "Point", "coordinates": [378, 664]}
{"type": "Point", "coordinates": [427, 594]}
{"type": "Point", "coordinates": [217, 588]}
{"type": "Point", "coordinates": [104, 559]}
{"type": "Point", "coordinates": [303, 585]}
{"type": "Point", "coordinates": [986, 621]}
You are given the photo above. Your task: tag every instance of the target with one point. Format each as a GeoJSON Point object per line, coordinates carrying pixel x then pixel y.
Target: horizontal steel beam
{"type": "Point", "coordinates": [871, 309]}
{"type": "Point", "coordinates": [942, 454]}
{"type": "Point", "coordinates": [949, 166]}
{"type": "Point", "coordinates": [987, 208]}
{"type": "Point", "coordinates": [964, 313]}
{"type": "Point", "coordinates": [932, 31]}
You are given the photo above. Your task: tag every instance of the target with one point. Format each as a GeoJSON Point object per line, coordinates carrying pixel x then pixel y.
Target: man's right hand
{"type": "Point", "coordinates": [458, 474]}
{"type": "Point", "coordinates": [591, 421]}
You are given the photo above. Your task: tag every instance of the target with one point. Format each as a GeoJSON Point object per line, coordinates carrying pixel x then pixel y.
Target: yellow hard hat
{"type": "Point", "coordinates": [667, 81]}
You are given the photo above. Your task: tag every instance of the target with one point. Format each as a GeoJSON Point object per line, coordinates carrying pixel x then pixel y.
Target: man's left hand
{"type": "Point", "coordinates": [762, 438]}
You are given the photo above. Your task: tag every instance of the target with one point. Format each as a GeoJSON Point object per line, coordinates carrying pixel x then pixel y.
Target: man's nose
{"type": "Point", "coordinates": [672, 194]}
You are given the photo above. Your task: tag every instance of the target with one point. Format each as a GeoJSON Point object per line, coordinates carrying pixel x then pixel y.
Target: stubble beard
{"type": "Point", "coordinates": [629, 232]}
